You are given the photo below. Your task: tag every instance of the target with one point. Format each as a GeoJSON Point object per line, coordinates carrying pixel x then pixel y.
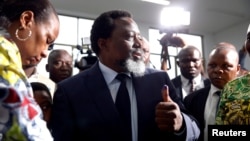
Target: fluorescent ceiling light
{"type": "Point", "coordinates": [174, 16]}
{"type": "Point", "coordinates": [161, 2]}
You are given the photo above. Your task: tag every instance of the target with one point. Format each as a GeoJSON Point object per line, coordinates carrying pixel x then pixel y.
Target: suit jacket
{"type": "Point", "coordinates": [178, 84]}
{"type": "Point", "coordinates": [195, 104]}
{"type": "Point", "coordinates": [83, 108]}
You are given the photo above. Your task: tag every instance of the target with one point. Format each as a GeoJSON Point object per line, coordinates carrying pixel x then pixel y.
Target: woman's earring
{"type": "Point", "coordinates": [22, 39]}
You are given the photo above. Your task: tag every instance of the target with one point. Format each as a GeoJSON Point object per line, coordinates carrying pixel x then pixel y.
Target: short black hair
{"type": "Point", "coordinates": [54, 54]}
{"type": "Point", "coordinates": [38, 86]}
{"type": "Point", "coordinates": [104, 25]}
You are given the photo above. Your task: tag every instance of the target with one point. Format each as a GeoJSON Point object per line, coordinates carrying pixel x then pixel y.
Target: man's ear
{"type": "Point", "coordinates": [27, 19]}
{"type": "Point", "coordinates": [102, 43]}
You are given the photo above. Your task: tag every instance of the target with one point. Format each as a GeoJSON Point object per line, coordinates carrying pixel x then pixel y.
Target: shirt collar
{"type": "Point", "coordinates": [185, 81]}
{"type": "Point", "coordinates": [108, 73]}
{"type": "Point", "coordinates": [214, 89]}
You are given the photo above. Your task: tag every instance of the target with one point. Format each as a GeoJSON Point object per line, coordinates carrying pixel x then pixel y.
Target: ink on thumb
{"type": "Point", "coordinates": [165, 94]}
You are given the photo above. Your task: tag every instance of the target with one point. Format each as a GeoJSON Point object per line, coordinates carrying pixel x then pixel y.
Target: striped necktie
{"type": "Point", "coordinates": [192, 88]}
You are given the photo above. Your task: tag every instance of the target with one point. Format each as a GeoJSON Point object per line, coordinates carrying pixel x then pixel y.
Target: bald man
{"type": "Point", "coordinates": [235, 92]}
{"type": "Point", "coordinates": [222, 67]}
{"type": "Point", "coordinates": [146, 48]}
{"type": "Point", "coordinates": [60, 65]}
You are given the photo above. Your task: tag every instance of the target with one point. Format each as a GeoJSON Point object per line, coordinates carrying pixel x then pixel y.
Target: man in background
{"type": "Point", "coordinates": [190, 62]}
{"type": "Point", "coordinates": [236, 93]}
{"type": "Point", "coordinates": [60, 65]}
{"type": "Point", "coordinates": [146, 48]}
{"type": "Point", "coordinates": [222, 67]}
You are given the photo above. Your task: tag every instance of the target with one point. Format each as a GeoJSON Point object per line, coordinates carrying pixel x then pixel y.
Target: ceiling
{"type": "Point", "coordinates": [209, 16]}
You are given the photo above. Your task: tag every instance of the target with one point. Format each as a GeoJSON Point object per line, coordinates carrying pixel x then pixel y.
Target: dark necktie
{"type": "Point", "coordinates": [191, 82]}
{"type": "Point", "coordinates": [123, 105]}
{"type": "Point", "coordinates": [218, 104]}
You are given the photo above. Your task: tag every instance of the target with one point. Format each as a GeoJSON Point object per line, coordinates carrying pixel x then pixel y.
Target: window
{"type": "Point", "coordinates": [156, 49]}
{"type": "Point", "coordinates": [73, 31]}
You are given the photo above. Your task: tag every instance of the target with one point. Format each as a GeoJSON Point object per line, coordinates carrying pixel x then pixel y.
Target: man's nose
{"type": "Point", "coordinates": [218, 69]}
{"type": "Point", "coordinates": [138, 42]}
{"type": "Point", "coordinates": [44, 53]}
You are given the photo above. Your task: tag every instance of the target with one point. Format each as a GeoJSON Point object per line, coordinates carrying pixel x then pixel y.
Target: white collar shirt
{"type": "Point", "coordinates": [210, 109]}
{"type": "Point", "coordinates": [198, 84]}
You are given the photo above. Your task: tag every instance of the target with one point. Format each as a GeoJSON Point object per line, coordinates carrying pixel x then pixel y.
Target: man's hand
{"type": "Point", "coordinates": [168, 114]}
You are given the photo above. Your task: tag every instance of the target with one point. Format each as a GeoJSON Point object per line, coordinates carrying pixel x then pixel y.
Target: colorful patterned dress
{"type": "Point", "coordinates": [20, 116]}
{"type": "Point", "coordinates": [234, 106]}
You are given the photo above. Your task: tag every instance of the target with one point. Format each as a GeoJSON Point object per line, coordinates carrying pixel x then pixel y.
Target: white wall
{"type": "Point", "coordinates": [235, 35]}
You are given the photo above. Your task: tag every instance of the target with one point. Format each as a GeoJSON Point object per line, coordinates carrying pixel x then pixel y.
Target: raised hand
{"type": "Point", "coordinates": [168, 114]}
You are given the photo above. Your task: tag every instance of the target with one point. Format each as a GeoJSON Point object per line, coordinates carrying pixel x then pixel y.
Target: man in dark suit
{"type": "Point", "coordinates": [84, 106]}
{"type": "Point", "coordinates": [192, 77]}
{"type": "Point", "coordinates": [222, 67]}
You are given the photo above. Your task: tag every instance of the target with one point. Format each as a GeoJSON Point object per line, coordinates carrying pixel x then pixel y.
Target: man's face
{"type": "Point", "coordinates": [45, 102]}
{"type": "Point", "coordinates": [61, 67]}
{"type": "Point", "coordinates": [190, 63]}
{"type": "Point", "coordinates": [146, 48]}
{"type": "Point", "coordinates": [123, 50]}
{"type": "Point", "coordinates": [222, 67]}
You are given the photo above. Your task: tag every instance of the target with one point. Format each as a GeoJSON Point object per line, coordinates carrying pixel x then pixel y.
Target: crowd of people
{"type": "Point", "coordinates": [86, 106]}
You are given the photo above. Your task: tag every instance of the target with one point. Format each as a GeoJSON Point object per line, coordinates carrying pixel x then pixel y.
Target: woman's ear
{"type": "Point", "coordinates": [26, 19]}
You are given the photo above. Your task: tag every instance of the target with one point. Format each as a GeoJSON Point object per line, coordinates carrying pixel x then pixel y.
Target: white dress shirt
{"type": "Point", "coordinates": [210, 109]}
{"type": "Point", "coordinates": [113, 85]}
{"type": "Point", "coordinates": [37, 77]}
{"type": "Point", "coordinates": [198, 84]}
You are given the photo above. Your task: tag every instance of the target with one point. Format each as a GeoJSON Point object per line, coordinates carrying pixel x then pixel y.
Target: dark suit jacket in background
{"type": "Point", "coordinates": [195, 104]}
{"type": "Point", "coordinates": [83, 109]}
{"type": "Point", "coordinates": [178, 84]}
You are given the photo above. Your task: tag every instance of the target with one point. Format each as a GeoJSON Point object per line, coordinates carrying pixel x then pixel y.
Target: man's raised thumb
{"type": "Point", "coordinates": [165, 94]}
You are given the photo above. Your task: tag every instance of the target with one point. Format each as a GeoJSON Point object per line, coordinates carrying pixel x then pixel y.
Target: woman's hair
{"type": "Point", "coordinates": [104, 25]}
{"type": "Point", "coordinates": [10, 10]}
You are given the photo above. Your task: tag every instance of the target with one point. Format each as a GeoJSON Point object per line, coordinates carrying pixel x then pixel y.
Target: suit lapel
{"type": "Point", "coordinates": [204, 97]}
{"type": "Point", "coordinates": [207, 82]}
{"type": "Point", "coordinates": [101, 94]}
